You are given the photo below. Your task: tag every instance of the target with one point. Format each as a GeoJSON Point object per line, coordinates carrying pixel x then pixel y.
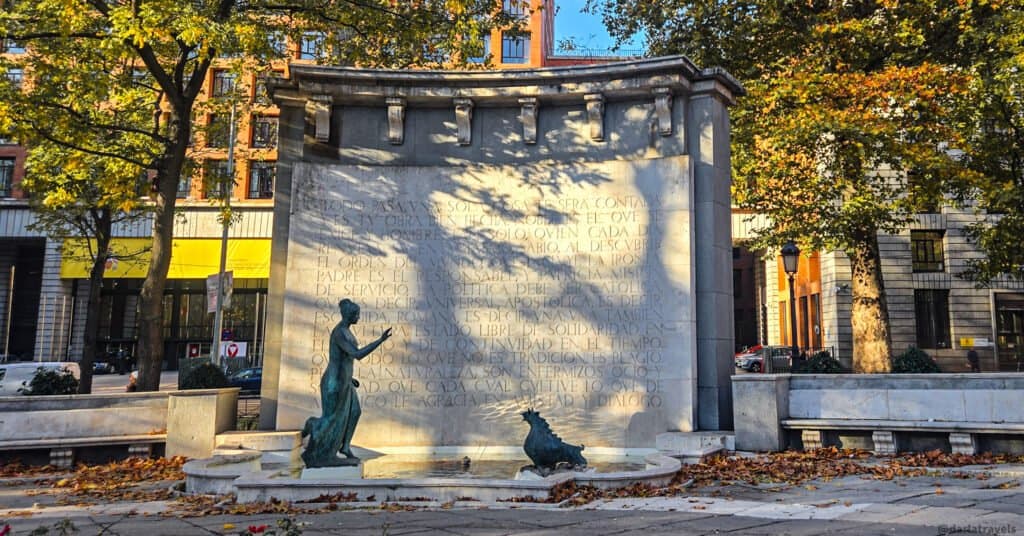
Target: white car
{"type": "Point", "coordinates": [15, 376]}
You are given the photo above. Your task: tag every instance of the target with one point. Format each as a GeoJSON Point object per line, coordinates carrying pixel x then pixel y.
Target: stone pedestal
{"type": "Point", "coordinates": [350, 472]}
{"type": "Point", "coordinates": [761, 403]}
{"type": "Point", "coordinates": [194, 418]}
{"type": "Point", "coordinates": [885, 442]}
{"type": "Point", "coordinates": [277, 447]}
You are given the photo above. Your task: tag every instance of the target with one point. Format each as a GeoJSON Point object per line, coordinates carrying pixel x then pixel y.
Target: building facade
{"type": "Point", "coordinates": [43, 290]}
{"type": "Point", "coordinates": [929, 306]}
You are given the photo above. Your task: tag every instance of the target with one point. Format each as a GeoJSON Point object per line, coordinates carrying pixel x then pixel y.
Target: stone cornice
{"type": "Point", "coordinates": [614, 81]}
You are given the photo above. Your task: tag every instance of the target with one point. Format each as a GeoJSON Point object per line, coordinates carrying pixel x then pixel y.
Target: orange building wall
{"type": "Point", "coordinates": [807, 287]}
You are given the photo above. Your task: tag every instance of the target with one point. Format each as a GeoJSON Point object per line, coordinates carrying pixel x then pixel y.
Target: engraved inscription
{"type": "Point", "coordinates": [502, 295]}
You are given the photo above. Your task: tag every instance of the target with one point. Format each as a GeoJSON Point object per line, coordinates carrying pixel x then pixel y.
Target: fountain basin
{"type": "Point", "coordinates": [238, 475]}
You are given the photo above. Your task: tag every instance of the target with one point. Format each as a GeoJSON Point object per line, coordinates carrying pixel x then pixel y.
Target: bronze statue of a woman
{"type": "Point", "coordinates": [332, 431]}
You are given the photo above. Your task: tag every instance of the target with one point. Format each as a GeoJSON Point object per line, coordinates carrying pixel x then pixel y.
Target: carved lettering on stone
{"type": "Point", "coordinates": [663, 110]}
{"type": "Point", "coordinates": [321, 108]}
{"type": "Point", "coordinates": [595, 115]}
{"type": "Point", "coordinates": [464, 120]}
{"type": "Point", "coordinates": [528, 116]}
{"type": "Point", "coordinates": [396, 120]}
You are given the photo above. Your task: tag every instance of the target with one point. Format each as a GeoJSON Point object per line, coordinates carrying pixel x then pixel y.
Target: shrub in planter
{"type": "Point", "coordinates": [914, 360]}
{"type": "Point", "coordinates": [204, 376]}
{"type": "Point", "coordinates": [820, 363]}
{"type": "Point", "coordinates": [48, 381]}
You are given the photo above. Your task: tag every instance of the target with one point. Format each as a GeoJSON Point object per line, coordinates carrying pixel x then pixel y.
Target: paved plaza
{"type": "Point", "coordinates": [979, 500]}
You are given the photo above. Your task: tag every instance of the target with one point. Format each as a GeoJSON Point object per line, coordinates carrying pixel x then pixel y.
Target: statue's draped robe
{"type": "Point", "coordinates": [333, 430]}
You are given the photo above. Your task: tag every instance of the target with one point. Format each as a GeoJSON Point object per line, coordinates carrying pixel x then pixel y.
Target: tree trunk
{"type": "Point", "coordinates": [872, 341]}
{"type": "Point", "coordinates": [150, 351]}
{"type": "Point", "coordinates": [102, 221]}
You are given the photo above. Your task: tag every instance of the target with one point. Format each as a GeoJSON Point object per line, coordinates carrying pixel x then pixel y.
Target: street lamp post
{"type": "Point", "coordinates": [226, 190]}
{"type": "Point", "coordinates": [790, 263]}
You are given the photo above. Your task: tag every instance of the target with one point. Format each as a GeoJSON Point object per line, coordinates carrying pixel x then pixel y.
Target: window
{"type": "Point", "coordinates": [816, 321]}
{"type": "Point", "coordinates": [264, 132]}
{"type": "Point", "coordinates": [140, 77]}
{"type": "Point", "coordinates": [784, 324]}
{"type": "Point", "coordinates": [223, 83]}
{"type": "Point", "coordinates": [261, 180]}
{"type": "Point", "coordinates": [485, 47]}
{"type": "Point", "coordinates": [433, 53]}
{"type": "Point", "coordinates": [217, 131]}
{"type": "Point", "coordinates": [216, 178]}
{"type": "Point", "coordinates": [278, 43]}
{"type": "Point", "coordinates": [15, 76]}
{"type": "Point", "coordinates": [514, 48]}
{"type": "Point", "coordinates": [931, 311]}
{"type": "Point", "coordinates": [921, 189]}
{"type": "Point", "coordinates": [515, 8]}
{"type": "Point", "coordinates": [184, 187]}
{"type": "Point", "coordinates": [261, 95]}
{"type": "Point", "coordinates": [10, 46]}
{"type": "Point", "coordinates": [926, 249]}
{"type": "Point", "coordinates": [312, 46]}
{"type": "Point", "coordinates": [802, 326]}
{"type": "Point", "coordinates": [6, 176]}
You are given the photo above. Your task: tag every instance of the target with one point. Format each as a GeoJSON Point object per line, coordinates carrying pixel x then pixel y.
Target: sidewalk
{"type": "Point", "coordinates": [964, 500]}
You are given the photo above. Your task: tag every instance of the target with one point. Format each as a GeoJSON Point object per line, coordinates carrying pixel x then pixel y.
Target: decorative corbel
{"type": "Point", "coordinates": [464, 120]}
{"type": "Point", "coordinates": [663, 110]}
{"type": "Point", "coordinates": [528, 116]}
{"type": "Point", "coordinates": [396, 120]}
{"type": "Point", "coordinates": [321, 108]}
{"type": "Point", "coordinates": [595, 115]}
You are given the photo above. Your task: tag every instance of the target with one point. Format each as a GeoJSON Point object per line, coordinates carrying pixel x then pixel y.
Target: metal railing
{"type": "Point", "coordinates": [779, 359]}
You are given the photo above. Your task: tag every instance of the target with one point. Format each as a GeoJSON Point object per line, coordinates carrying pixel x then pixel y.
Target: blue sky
{"type": "Point", "coordinates": [586, 28]}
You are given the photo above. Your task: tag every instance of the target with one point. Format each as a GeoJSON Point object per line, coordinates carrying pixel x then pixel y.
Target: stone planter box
{"type": "Point", "coordinates": [888, 412]}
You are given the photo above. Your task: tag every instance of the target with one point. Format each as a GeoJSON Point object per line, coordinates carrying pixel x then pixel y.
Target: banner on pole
{"type": "Point", "coordinates": [213, 285]}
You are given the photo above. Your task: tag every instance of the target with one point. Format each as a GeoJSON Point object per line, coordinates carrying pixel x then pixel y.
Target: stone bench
{"type": "Point", "coordinates": [912, 409]}
{"type": "Point", "coordinates": [962, 435]}
{"type": "Point", "coordinates": [180, 422]}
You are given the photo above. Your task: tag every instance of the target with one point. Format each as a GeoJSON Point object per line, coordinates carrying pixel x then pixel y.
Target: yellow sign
{"type": "Point", "coordinates": [191, 258]}
{"type": "Point", "coordinates": [966, 342]}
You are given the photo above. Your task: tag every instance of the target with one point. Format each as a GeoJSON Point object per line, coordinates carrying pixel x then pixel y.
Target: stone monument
{"type": "Point", "coordinates": [556, 239]}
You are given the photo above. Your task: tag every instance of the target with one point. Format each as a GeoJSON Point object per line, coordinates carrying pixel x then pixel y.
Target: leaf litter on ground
{"type": "Point", "coordinates": [133, 479]}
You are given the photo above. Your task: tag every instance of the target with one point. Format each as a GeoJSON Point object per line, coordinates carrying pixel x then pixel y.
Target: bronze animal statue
{"type": "Point", "coordinates": [546, 450]}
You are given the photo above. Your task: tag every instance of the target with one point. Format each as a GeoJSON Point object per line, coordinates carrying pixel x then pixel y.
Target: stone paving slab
{"type": "Point", "coordinates": [885, 529]}
{"type": "Point", "coordinates": [882, 513]}
{"type": "Point", "coordinates": [849, 505]}
{"type": "Point", "coordinates": [935, 516]}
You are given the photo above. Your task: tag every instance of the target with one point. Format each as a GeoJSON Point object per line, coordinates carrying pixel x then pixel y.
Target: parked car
{"type": "Point", "coordinates": [103, 367]}
{"type": "Point", "coordinates": [249, 380]}
{"type": "Point", "coordinates": [753, 359]}
{"type": "Point", "coordinates": [749, 360]}
{"type": "Point", "coordinates": [16, 376]}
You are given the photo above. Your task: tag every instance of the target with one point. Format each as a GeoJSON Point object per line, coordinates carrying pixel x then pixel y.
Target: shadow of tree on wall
{"type": "Point", "coordinates": [455, 232]}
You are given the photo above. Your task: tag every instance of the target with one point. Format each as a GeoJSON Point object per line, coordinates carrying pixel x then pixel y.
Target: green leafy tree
{"type": "Point", "coordinates": [171, 45]}
{"type": "Point", "coordinates": [89, 151]}
{"type": "Point", "coordinates": [846, 128]}
{"type": "Point", "coordinates": [993, 118]}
